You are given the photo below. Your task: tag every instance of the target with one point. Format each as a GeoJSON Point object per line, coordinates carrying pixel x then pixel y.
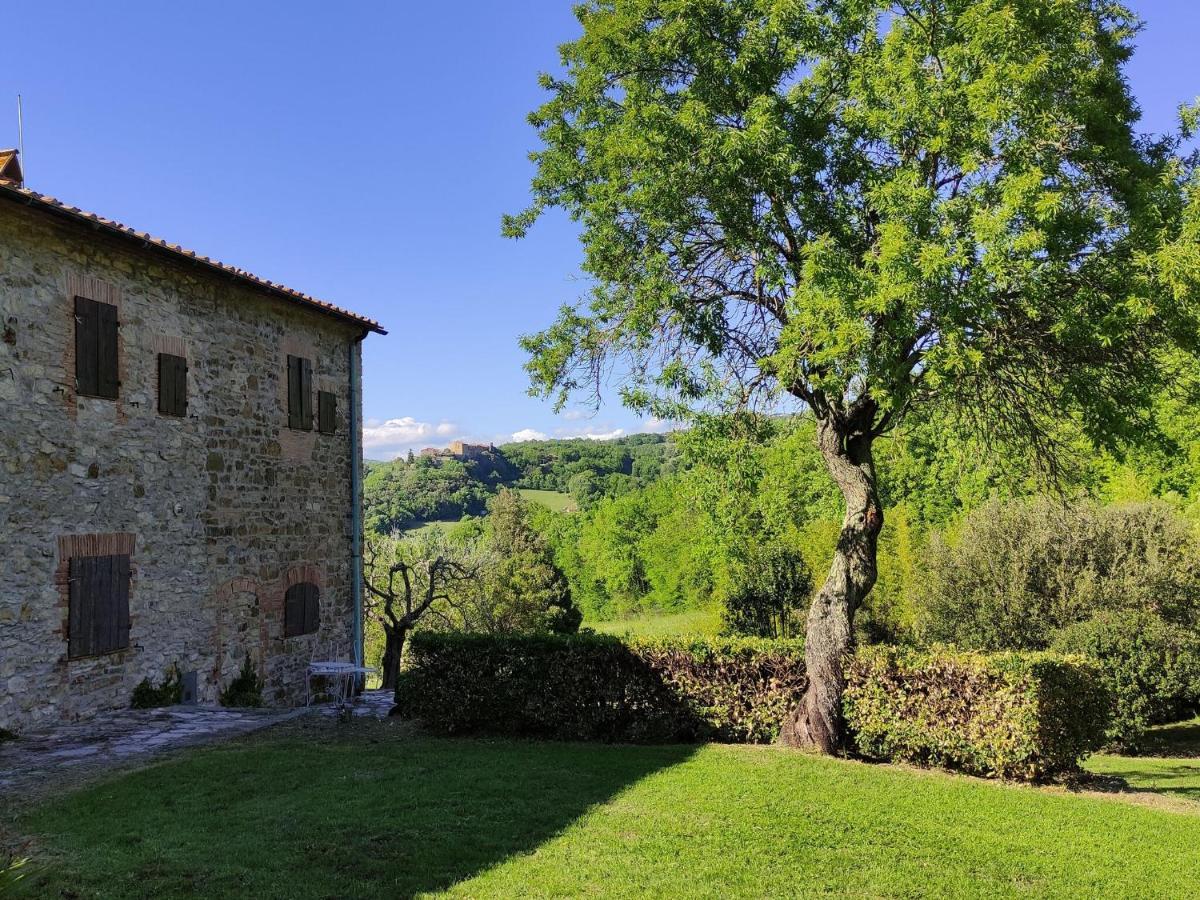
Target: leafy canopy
{"type": "Point", "coordinates": [866, 205]}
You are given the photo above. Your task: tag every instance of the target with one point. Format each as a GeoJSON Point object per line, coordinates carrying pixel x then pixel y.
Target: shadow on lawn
{"type": "Point", "coordinates": [362, 815]}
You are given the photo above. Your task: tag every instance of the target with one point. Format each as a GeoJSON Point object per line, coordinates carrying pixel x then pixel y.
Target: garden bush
{"type": "Point", "coordinates": [246, 690]}
{"type": "Point", "coordinates": [1017, 572]}
{"type": "Point", "coordinates": [1151, 669]}
{"type": "Point", "coordinates": [147, 696]}
{"type": "Point", "coordinates": [596, 687]}
{"type": "Point", "coordinates": [1013, 715]}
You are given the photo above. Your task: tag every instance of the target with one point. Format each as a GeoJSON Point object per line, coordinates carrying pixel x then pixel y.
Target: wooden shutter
{"type": "Point", "coordinates": [312, 608]}
{"type": "Point", "coordinates": [306, 398]}
{"type": "Point", "coordinates": [300, 411]}
{"type": "Point", "coordinates": [98, 617]}
{"type": "Point", "coordinates": [172, 385]}
{"type": "Point", "coordinates": [106, 356]}
{"type": "Point", "coordinates": [96, 349]}
{"type": "Point", "coordinates": [326, 412]}
{"type": "Point", "coordinates": [293, 611]}
{"type": "Point", "coordinates": [301, 609]}
{"type": "Point", "coordinates": [87, 342]}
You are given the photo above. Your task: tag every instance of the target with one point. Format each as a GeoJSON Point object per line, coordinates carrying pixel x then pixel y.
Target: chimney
{"type": "Point", "coordinates": [10, 168]}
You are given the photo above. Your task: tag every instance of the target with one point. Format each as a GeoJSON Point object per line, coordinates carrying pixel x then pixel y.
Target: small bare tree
{"type": "Point", "coordinates": [427, 570]}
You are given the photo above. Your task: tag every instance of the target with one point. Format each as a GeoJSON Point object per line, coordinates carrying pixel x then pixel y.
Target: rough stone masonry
{"type": "Point", "coordinates": [220, 511]}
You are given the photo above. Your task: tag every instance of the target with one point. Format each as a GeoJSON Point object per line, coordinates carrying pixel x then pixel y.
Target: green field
{"type": "Point", "coordinates": [556, 501]}
{"type": "Point", "coordinates": [370, 810]}
{"type": "Point", "coordinates": [692, 622]}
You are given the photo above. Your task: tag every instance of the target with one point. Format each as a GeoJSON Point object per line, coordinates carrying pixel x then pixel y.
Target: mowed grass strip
{"type": "Point", "coordinates": [363, 813]}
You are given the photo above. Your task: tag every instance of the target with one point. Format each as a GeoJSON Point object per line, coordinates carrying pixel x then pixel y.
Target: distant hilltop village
{"type": "Point", "coordinates": [460, 450]}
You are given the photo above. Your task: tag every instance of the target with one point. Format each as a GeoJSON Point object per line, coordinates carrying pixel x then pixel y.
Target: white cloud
{"type": "Point", "coordinates": [593, 434]}
{"type": "Point", "coordinates": [659, 426]}
{"type": "Point", "coordinates": [529, 434]}
{"type": "Point", "coordinates": [389, 438]}
{"type": "Point", "coordinates": [574, 415]}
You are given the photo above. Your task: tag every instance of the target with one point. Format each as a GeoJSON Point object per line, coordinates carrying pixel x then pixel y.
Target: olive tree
{"type": "Point", "coordinates": [864, 209]}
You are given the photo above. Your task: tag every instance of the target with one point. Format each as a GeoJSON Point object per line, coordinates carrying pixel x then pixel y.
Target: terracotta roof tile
{"type": "Point", "coordinates": [21, 194]}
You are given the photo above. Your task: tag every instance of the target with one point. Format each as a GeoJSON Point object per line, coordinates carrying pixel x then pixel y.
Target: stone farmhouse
{"type": "Point", "coordinates": [179, 468]}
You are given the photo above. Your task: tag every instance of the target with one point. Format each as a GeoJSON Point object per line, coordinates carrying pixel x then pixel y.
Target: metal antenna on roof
{"type": "Point", "coordinates": [20, 134]}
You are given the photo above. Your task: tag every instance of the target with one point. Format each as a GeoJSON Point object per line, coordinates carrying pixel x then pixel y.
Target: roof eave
{"type": "Point", "coordinates": [178, 254]}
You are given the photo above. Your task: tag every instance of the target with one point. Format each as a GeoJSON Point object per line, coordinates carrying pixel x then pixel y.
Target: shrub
{"type": "Point", "coordinates": [169, 693]}
{"type": "Point", "coordinates": [596, 687]}
{"type": "Point", "coordinates": [1013, 715]}
{"type": "Point", "coordinates": [246, 689]}
{"type": "Point", "coordinates": [1150, 667]}
{"type": "Point", "coordinates": [1020, 571]}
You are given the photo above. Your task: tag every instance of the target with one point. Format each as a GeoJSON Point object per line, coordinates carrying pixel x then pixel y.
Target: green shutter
{"type": "Point", "coordinates": [326, 412]}
{"type": "Point", "coordinates": [87, 326]}
{"type": "Point", "coordinates": [172, 385]}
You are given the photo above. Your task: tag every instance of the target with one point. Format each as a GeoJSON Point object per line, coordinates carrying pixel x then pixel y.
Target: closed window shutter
{"type": "Point", "coordinates": [98, 617]}
{"type": "Point", "coordinates": [96, 349]}
{"type": "Point", "coordinates": [326, 412]}
{"type": "Point", "coordinates": [301, 609]}
{"type": "Point", "coordinates": [107, 353]}
{"type": "Point", "coordinates": [300, 411]}
{"type": "Point", "coordinates": [312, 609]}
{"type": "Point", "coordinates": [87, 342]}
{"type": "Point", "coordinates": [306, 410]}
{"type": "Point", "coordinates": [172, 385]}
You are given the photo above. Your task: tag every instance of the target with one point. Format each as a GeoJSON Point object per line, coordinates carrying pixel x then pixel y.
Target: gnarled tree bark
{"type": "Point", "coordinates": [845, 444]}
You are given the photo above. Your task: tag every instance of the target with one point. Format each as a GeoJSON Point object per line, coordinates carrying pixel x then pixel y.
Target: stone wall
{"type": "Point", "coordinates": [223, 509]}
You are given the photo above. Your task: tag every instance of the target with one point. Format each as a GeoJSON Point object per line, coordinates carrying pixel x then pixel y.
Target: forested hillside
{"type": "Point", "coordinates": [410, 491]}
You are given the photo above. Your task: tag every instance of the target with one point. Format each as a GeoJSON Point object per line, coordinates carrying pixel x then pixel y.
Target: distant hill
{"type": "Point", "coordinates": [447, 485]}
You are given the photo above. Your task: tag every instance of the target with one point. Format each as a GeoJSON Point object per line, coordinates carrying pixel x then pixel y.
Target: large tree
{"type": "Point", "coordinates": [864, 208]}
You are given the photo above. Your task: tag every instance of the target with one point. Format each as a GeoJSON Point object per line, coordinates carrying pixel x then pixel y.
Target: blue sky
{"type": "Point", "coordinates": [363, 153]}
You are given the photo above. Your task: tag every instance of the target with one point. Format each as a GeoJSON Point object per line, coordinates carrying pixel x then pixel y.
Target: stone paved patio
{"type": "Point", "coordinates": [121, 737]}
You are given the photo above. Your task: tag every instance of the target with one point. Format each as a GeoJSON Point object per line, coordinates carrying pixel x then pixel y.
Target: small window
{"type": "Point", "coordinates": [98, 618]}
{"type": "Point", "coordinates": [301, 609]}
{"type": "Point", "coordinates": [172, 385]}
{"type": "Point", "coordinates": [96, 349]}
{"type": "Point", "coordinates": [326, 412]}
{"type": "Point", "coordinates": [300, 411]}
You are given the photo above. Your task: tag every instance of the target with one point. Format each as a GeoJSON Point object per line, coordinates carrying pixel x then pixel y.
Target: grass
{"type": "Point", "coordinates": [556, 501]}
{"type": "Point", "coordinates": [692, 622]}
{"type": "Point", "coordinates": [1170, 765]}
{"type": "Point", "coordinates": [369, 810]}
{"type": "Point", "coordinates": [426, 527]}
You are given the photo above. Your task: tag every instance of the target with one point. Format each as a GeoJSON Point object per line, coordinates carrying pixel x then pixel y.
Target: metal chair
{"type": "Point", "coordinates": [338, 670]}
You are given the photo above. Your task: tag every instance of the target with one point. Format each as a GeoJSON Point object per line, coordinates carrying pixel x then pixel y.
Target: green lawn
{"type": "Point", "coordinates": [1170, 765]}
{"type": "Point", "coordinates": [367, 811]}
{"type": "Point", "coordinates": [702, 622]}
{"type": "Point", "coordinates": [557, 501]}
{"type": "Point", "coordinates": [426, 527]}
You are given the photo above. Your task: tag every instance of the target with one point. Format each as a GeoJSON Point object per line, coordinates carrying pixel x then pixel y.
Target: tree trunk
{"type": "Point", "coordinates": [393, 649]}
{"type": "Point", "coordinates": [816, 724]}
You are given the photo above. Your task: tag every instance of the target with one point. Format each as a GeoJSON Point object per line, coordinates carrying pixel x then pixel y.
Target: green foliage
{"type": "Point", "coordinates": [522, 588]}
{"type": "Point", "coordinates": [246, 688]}
{"type": "Point", "coordinates": [169, 693]}
{"type": "Point", "coordinates": [596, 687]}
{"type": "Point", "coordinates": [400, 494]}
{"type": "Point", "coordinates": [1150, 667]}
{"type": "Point", "coordinates": [1011, 715]}
{"type": "Point", "coordinates": [1025, 716]}
{"type": "Point", "coordinates": [864, 205]}
{"type": "Point", "coordinates": [773, 598]}
{"type": "Point", "coordinates": [1018, 572]}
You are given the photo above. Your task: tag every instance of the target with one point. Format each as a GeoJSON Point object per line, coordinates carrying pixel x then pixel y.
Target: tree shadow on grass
{"type": "Point", "coordinates": [355, 813]}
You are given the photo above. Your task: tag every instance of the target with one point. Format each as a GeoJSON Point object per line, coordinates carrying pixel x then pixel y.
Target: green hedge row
{"type": "Point", "coordinates": [1015, 715]}
{"type": "Point", "coordinates": [1011, 715]}
{"type": "Point", "coordinates": [596, 687]}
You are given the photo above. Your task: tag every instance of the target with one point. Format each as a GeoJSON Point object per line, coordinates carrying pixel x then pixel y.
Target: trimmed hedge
{"type": "Point", "coordinates": [597, 687]}
{"type": "Point", "coordinates": [1013, 715]}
